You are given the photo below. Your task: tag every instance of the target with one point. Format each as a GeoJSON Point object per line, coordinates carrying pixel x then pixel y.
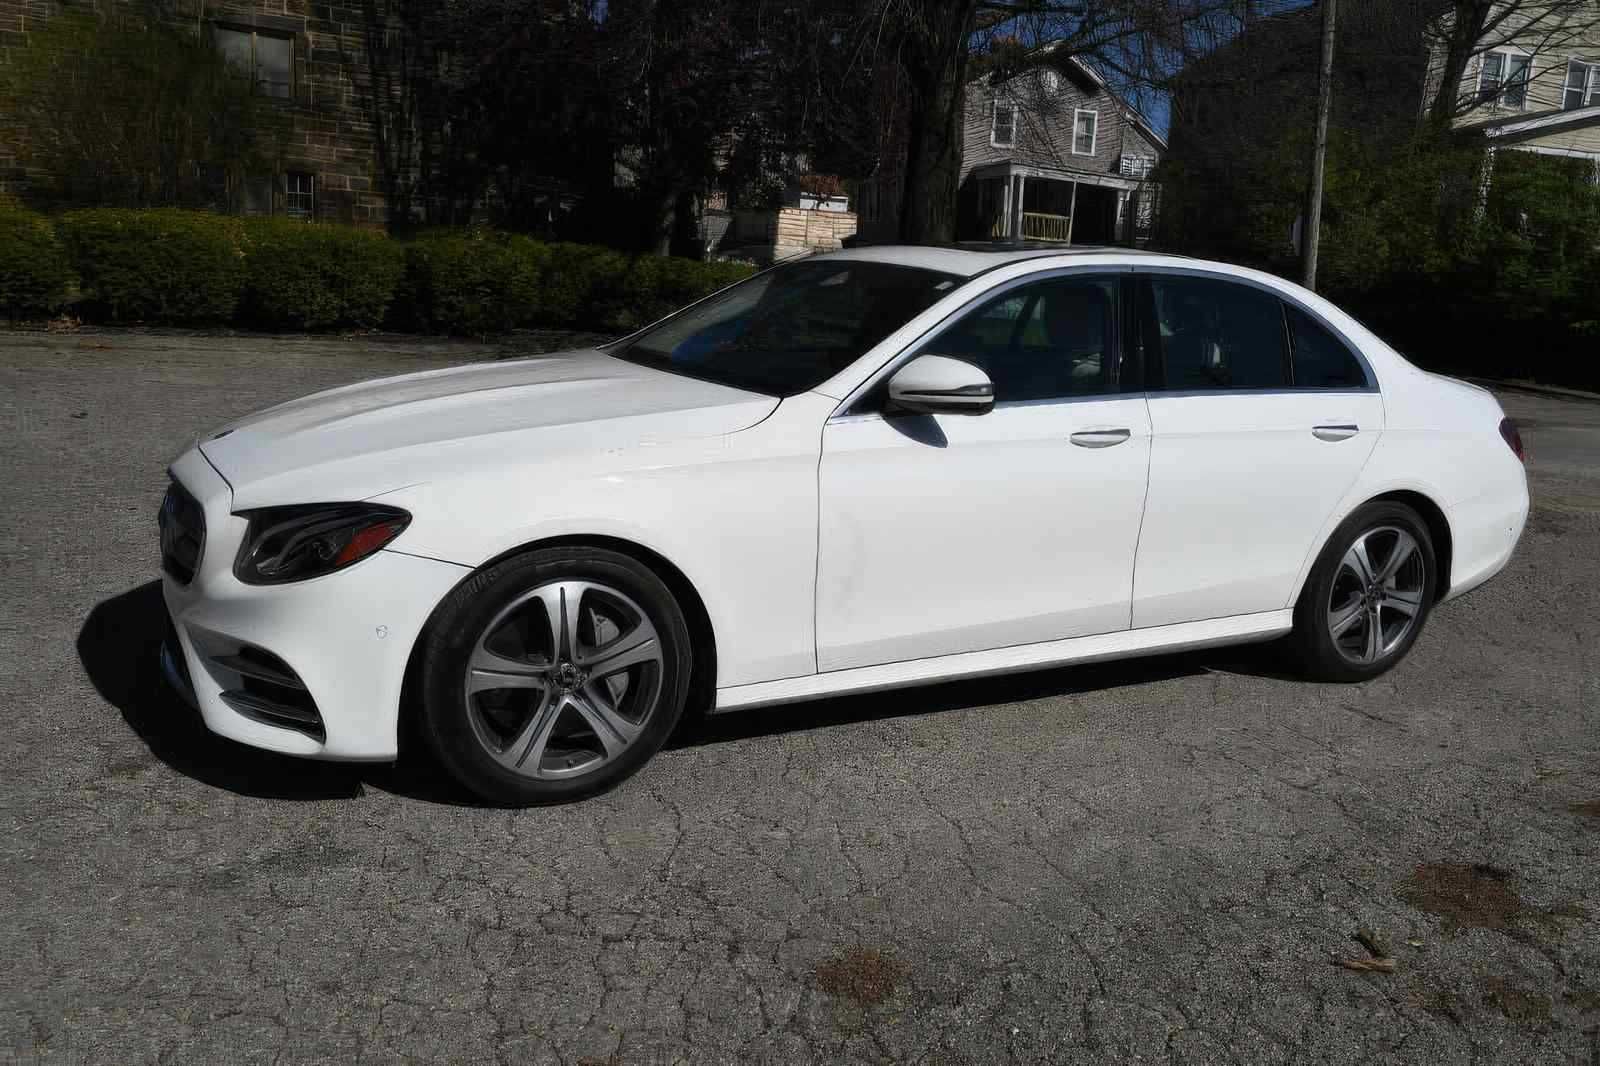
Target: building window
{"type": "Point", "coordinates": [1503, 79]}
{"type": "Point", "coordinates": [1003, 131]}
{"type": "Point", "coordinates": [1085, 131]}
{"type": "Point", "coordinates": [298, 199]}
{"type": "Point", "coordinates": [267, 60]}
{"type": "Point", "coordinates": [255, 196]}
{"type": "Point", "coordinates": [1137, 166]}
{"type": "Point", "coordinates": [1583, 85]}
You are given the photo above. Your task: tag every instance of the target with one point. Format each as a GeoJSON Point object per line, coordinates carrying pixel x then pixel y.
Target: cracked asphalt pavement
{"type": "Point", "coordinates": [1150, 861]}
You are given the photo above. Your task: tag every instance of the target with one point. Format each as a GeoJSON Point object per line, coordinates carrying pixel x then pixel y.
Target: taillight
{"type": "Point", "coordinates": [1508, 430]}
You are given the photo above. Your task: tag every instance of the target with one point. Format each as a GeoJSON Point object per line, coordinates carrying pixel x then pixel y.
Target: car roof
{"type": "Point", "coordinates": [969, 259]}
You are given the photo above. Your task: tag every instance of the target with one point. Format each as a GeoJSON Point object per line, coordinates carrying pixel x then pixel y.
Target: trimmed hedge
{"type": "Point", "coordinates": [301, 275]}
{"type": "Point", "coordinates": [161, 265]}
{"type": "Point", "coordinates": [473, 282]}
{"type": "Point", "coordinates": [35, 271]}
{"type": "Point", "coordinates": [478, 282]}
{"type": "Point", "coordinates": [175, 267]}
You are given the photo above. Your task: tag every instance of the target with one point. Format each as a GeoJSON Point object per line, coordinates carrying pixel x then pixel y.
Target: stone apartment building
{"type": "Point", "coordinates": [295, 54]}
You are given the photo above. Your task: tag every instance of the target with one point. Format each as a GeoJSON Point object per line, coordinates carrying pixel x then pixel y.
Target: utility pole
{"type": "Point", "coordinates": [1312, 234]}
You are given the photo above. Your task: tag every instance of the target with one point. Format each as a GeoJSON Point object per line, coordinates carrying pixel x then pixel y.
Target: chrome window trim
{"type": "Point", "coordinates": [1307, 390]}
{"type": "Point", "coordinates": [1288, 298]}
{"type": "Point", "coordinates": [914, 348]}
{"type": "Point", "coordinates": [1055, 401]}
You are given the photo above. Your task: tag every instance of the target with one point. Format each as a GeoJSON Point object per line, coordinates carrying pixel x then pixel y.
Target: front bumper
{"type": "Point", "coordinates": [346, 637]}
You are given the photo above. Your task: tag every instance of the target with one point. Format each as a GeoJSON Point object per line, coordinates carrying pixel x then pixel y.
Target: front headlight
{"type": "Point", "coordinates": [294, 543]}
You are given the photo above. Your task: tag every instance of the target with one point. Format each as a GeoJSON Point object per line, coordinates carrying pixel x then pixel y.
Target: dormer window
{"type": "Point", "coordinates": [1583, 85]}
{"type": "Point", "coordinates": [1503, 79]}
{"type": "Point", "coordinates": [1003, 130]}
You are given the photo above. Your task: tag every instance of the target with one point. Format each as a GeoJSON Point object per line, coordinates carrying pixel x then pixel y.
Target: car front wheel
{"type": "Point", "coordinates": [554, 675]}
{"type": "Point", "coordinates": [1368, 594]}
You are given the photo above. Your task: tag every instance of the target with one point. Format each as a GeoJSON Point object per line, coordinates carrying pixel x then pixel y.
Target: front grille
{"type": "Point", "coordinates": [183, 533]}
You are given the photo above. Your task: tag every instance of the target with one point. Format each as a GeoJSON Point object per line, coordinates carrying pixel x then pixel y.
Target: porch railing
{"type": "Point", "coordinates": [1042, 227]}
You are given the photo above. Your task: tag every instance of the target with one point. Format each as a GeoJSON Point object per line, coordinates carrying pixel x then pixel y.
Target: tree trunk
{"type": "Point", "coordinates": [935, 72]}
{"type": "Point", "coordinates": [1464, 27]}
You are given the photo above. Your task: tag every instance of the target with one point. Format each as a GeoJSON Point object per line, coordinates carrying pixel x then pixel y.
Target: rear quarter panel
{"type": "Point", "coordinates": [1441, 439]}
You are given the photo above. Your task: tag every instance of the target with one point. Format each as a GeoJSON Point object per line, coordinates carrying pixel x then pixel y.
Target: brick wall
{"type": "Point", "coordinates": [329, 135]}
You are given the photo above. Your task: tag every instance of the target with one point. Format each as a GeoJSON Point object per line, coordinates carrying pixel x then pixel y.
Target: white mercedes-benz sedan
{"type": "Point", "coordinates": [862, 470]}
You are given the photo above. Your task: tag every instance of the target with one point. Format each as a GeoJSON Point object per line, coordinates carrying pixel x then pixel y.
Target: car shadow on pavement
{"type": "Point", "coordinates": [119, 646]}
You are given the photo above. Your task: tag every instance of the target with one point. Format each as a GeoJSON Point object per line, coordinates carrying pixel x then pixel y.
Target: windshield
{"type": "Point", "coordinates": [793, 327]}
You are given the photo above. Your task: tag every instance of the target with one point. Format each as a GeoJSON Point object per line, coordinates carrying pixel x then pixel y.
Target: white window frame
{"type": "Point", "coordinates": [1589, 91]}
{"type": "Point", "coordinates": [1094, 131]}
{"type": "Point", "coordinates": [310, 194]}
{"type": "Point", "coordinates": [1498, 99]}
{"type": "Point", "coordinates": [994, 123]}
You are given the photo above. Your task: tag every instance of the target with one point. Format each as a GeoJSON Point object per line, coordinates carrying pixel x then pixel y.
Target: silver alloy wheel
{"type": "Point", "coordinates": [564, 679]}
{"type": "Point", "coordinates": [1377, 594]}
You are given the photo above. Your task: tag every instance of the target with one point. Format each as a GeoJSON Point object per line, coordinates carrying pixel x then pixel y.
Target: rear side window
{"type": "Point", "coordinates": [1321, 360]}
{"type": "Point", "coordinates": [1219, 335]}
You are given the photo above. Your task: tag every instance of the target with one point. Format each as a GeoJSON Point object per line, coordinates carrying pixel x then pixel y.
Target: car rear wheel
{"type": "Point", "coordinates": [554, 675]}
{"type": "Point", "coordinates": [1368, 596]}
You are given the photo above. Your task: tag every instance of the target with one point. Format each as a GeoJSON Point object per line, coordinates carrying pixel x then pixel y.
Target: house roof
{"type": "Point", "coordinates": [1088, 73]}
{"type": "Point", "coordinates": [1522, 125]}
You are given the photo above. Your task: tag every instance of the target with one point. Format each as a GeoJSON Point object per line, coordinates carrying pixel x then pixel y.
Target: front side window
{"type": "Point", "coordinates": [1216, 334]}
{"type": "Point", "coordinates": [1583, 85]}
{"type": "Point", "coordinates": [1046, 340]}
{"type": "Point", "coordinates": [1085, 130]}
{"type": "Point", "coordinates": [791, 328]}
{"type": "Point", "coordinates": [267, 60]}
{"type": "Point", "coordinates": [1321, 360]}
{"type": "Point", "coordinates": [1004, 132]}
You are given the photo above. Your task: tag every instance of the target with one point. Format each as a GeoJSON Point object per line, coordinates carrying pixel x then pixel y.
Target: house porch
{"type": "Point", "coordinates": [1010, 201]}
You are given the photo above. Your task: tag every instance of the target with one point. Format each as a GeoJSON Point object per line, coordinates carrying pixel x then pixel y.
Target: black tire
{"type": "Point", "coordinates": [1327, 658]}
{"type": "Point", "coordinates": [464, 618]}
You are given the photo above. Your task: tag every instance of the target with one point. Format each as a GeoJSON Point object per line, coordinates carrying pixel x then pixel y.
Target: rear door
{"type": "Point", "coordinates": [1261, 420]}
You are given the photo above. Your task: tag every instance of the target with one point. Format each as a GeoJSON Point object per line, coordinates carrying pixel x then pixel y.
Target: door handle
{"type": "Point", "coordinates": [1100, 438]}
{"type": "Point", "coordinates": [1333, 433]}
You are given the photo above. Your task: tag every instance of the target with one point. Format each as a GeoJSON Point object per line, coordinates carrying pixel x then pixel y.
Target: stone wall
{"type": "Point", "coordinates": [329, 138]}
{"type": "Point", "coordinates": [789, 231]}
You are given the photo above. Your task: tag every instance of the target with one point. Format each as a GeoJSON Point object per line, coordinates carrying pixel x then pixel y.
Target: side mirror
{"type": "Point", "coordinates": [938, 384]}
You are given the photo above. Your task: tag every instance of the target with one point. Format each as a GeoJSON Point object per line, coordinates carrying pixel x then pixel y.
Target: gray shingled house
{"type": "Point", "coordinates": [1053, 153]}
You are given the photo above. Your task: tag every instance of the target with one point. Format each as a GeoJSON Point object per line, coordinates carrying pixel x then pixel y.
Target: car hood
{"type": "Point", "coordinates": [366, 439]}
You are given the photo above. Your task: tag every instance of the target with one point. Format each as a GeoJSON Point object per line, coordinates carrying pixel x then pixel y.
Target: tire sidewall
{"type": "Point", "coordinates": [460, 621]}
{"type": "Point", "coordinates": [1311, 623]}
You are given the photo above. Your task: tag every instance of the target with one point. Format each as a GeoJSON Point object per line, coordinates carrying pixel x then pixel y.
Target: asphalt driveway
{"type": "Point", "coordinates": [1156, 861]}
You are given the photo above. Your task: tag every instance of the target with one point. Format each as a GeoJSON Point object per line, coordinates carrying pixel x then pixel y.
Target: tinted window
{"type": "Point", "coordinates": [1321, 360]}
{"type": "Point", "coordinates": [1219, 335]}
{"type": "Point", "coordinates": [790, 329]}
{"type": "Point", "coordinates": [1046, 340]}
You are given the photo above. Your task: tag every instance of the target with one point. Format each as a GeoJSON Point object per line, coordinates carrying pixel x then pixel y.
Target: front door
{"type": "Point", "coordinates": [1261, 421]}
{"type": "Point", "coordinates": [943, 534]}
